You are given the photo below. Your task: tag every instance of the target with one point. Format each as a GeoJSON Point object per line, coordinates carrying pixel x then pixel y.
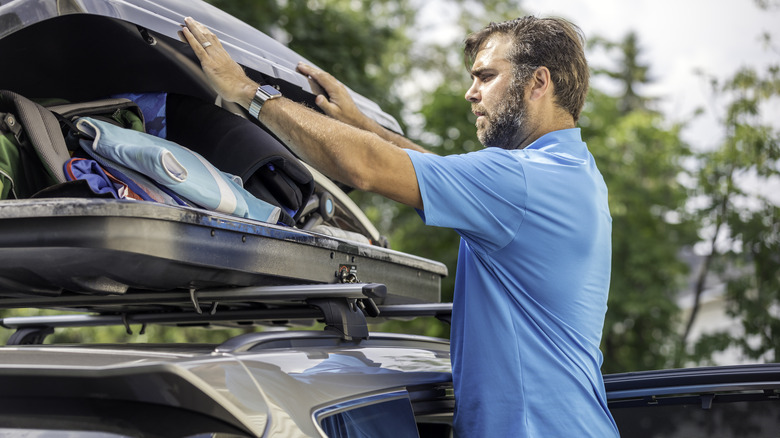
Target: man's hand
{"type": "Point", "coordinates": [338, 103]}
{"type": "Point", "coordinates": [225, 75]}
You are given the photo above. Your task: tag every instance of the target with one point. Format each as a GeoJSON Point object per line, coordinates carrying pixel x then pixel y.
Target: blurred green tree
{"type": "Point", "coordinates": [740, 221]}
{"type": "Point", "coordinates": [641, 158]}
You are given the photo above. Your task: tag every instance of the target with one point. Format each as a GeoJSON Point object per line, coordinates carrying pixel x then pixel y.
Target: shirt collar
{"type": "Point", "coordinates": [557, 137]}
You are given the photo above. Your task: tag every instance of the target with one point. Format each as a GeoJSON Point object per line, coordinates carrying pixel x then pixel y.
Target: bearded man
{"type": "Point", "coordinates": [531, 209]}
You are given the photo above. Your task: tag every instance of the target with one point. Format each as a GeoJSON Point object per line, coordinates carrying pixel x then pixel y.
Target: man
{"type": "Point", "coordinates": [531, 208]}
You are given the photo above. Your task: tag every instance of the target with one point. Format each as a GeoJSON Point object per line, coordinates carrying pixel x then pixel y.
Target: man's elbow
{"type": "Point", "coordinates": [362, 180]}
{"type": "Point", "coordinates": [394, 178]}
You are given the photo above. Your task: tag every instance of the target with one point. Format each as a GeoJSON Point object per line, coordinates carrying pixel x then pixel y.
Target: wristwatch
{"type": "Point", "coordinates": [264, 93]}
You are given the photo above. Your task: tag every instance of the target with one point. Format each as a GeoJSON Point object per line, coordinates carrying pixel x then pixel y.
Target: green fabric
{"type": "Point", "coordinates": [129, 119]}
{"type": "Point", "coordinates": [23, 167]}
{"type": "Point", "coordinates": [10, 165]}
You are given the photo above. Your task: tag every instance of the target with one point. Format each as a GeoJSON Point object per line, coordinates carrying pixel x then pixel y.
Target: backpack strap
{"type": "Point", "coordinates": [8, 123]}
{"type": "Point", "coordinates": [117, 111]}
{"type": "Point", "coordinates": [109, 110]}
{"type": "Point", "coordinates": [43, 131]}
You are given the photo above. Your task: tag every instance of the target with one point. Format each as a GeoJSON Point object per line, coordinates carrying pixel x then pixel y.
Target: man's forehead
{"type": "Point", "coordinates": [495, 41]}
{"type": "Point", "coordinates": [493, 52]}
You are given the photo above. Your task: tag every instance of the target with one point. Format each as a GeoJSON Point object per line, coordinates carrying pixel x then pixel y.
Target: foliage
{"type": "Point", "coordinates": [641, 159]}
{"type": "Point", "coordinates": [744, 230]}
{"type": "Point", "coordinates": [640, 163]}
{"type": "Point", "coordinates": [629, 72]}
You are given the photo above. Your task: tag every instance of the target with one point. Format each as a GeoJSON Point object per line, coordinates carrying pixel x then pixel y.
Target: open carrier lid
{"type": "Point", "coordinates": [87, 49]}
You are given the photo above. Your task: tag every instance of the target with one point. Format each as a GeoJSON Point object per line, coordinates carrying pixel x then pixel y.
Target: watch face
{"type": "Point", "coordinates": [270, 91]}
{"type": "Point", "coordinates": [264, 93]}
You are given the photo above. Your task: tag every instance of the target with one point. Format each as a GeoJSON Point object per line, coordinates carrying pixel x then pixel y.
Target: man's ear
{"type": "Point", "coordinates": [540, 83]}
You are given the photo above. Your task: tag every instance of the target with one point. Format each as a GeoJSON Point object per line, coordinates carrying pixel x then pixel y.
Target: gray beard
{"type": "Point", "coordinates": [506, 127]}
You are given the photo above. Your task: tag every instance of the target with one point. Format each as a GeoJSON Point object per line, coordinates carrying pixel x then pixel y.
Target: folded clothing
{"type": "Point", "coordinates": [102, 179]}
{"type": "Point", "coordinates": [240, 147]}
{"type": "Point", "coordinates": [175, 167]}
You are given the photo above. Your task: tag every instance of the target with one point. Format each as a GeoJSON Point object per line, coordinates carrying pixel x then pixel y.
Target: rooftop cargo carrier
{"type": "Point", "coordinates": [56, 247]}
{"type": "Point", "coordinates": [127, 258]}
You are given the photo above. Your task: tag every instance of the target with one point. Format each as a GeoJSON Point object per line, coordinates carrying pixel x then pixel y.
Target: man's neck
{"type": "Point", "coordinates": [546, 128]}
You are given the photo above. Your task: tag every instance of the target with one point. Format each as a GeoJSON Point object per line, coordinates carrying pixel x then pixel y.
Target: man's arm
{"type": "Point", "coordinates": [353, 156]}
{"type": "Point", "coordinates": [358, 157]}
{"type": "Point", "coordinates": [340, 106]}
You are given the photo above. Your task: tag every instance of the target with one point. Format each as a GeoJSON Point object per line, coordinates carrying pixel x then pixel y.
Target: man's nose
{"type": "Point", "coordinates": [472, 94]}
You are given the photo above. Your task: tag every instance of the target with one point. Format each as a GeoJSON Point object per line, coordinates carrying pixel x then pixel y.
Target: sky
{"type": "Point", "coordinates": [678, 37]}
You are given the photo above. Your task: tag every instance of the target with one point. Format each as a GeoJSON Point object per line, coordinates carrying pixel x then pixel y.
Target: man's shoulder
{"type": "Point", "coordinates": [473, 158]}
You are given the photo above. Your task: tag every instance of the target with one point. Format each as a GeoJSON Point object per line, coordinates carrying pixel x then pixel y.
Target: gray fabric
{"type": "Point", "coordinates": [43, 130]}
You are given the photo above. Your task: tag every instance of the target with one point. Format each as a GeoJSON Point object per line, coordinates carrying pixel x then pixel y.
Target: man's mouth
{"type": "Point", "coordinates": [478, 112]}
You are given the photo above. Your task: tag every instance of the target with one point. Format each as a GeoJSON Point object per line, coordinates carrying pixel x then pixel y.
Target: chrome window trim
{"type": "Point", "coordinates": [690, 390]}
{"type": "Point", "coordinates": [346, 405]}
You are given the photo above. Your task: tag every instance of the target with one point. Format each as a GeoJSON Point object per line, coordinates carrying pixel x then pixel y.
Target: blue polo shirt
{"type": "Point", "coordinates": [531, 285]}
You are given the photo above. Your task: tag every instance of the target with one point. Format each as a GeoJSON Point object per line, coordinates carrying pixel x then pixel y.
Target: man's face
{"type": "Point", "coordinates": [497, 97]}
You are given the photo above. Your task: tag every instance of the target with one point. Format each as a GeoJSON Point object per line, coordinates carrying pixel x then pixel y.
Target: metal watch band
{"type": "Point", "coordinates": [264, 93]}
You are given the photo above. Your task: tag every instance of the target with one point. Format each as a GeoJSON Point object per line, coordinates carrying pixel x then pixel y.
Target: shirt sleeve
{"type": "Point", "coordinates": [481, 194]}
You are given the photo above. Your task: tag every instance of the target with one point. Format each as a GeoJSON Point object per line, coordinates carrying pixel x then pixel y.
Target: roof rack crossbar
{"type": "Point", "coordinates": [343, 316]}
{"type": "Point", "coordinates": [342, 306]}
{"type": "Point", "coordinates": [287, 313]}
{"type": "Point", "coordinates": [440, 311]}
{"type": "Point", "coordinates": [253, 294]}
{"type": "Point", "coordinates": [33, 329]}
{"type": "Point", "coordinates": [183, 318]}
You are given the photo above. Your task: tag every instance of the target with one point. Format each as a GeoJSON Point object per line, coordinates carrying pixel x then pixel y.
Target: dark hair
{"type": "Point", "coordinates": [554, 43]}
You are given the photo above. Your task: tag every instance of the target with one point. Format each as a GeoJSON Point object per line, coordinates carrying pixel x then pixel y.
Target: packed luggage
{"type": "Point", "coordinates": [50, 148]}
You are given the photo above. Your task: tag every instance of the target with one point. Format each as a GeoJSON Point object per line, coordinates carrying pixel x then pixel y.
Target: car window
{"type": "Point", "coordinates": [388, 416]}
{"type": "Point", "coordinates": [9, 432]}
{"type": "Point", "coordinates": [747, 418]}
{"type": "Point", "coordinates": [41, 433]}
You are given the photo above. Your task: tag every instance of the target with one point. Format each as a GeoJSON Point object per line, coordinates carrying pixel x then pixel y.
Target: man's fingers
{"type": "Point", "coordinates": [305, 69]}
{"type": "Point", "coordinates": [199, 36]}
{"type": "Point", "coordinates": [327, 106]}
{"type": "Point", "coordinates": [324, 80]}
{"type": "Point", "coordinates": [197, 29]}
{"type": "Point", "coordinates": [197, 47]}
{"type": "Point", "coordinates": [332, 97]}
{"type": "Point", "coordinates": [316, 88]}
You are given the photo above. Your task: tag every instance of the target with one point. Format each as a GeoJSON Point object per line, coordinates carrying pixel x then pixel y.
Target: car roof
{"type": "Point", "coordinates": [254, 382]}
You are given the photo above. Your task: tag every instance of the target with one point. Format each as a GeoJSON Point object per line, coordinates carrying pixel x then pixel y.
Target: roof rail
{"type": "Point", "coordinates": [274, 339]}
